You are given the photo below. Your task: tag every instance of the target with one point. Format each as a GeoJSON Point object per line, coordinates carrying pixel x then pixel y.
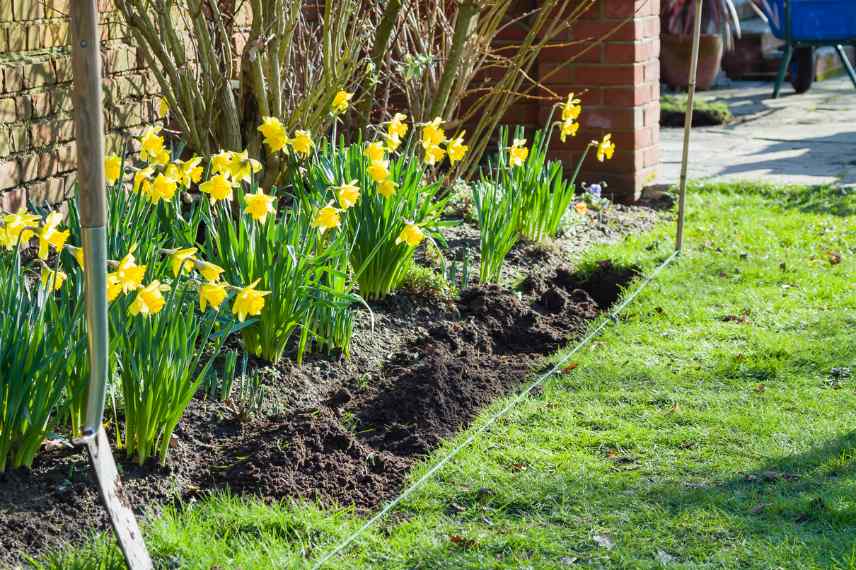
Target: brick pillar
{"type": "Point", "coordinates": [619, 84]}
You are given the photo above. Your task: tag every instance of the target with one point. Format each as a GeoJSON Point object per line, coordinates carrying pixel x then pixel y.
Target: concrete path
{"type": "Point", "coordinates": [796, 139]}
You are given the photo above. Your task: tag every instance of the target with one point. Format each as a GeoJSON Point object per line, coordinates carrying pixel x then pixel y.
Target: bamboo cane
{"type": "Point", "coordinates": [688, 121]}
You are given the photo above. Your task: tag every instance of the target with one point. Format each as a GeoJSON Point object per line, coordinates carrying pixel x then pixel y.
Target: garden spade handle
{"type": "Point", "coordinates": [89, 122]}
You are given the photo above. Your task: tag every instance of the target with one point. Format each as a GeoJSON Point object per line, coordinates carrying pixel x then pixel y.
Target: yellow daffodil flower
{"type": "Point", "coordinates": [259, 205]}
{"type": "Point", "coordinates": [274, 134]}
{"type": "Point", "coordinates": [433, 133]}
{"type": "Point", "coordinates": [249, 301]}
{"type": "Point", "coordinates": [605, 148]}
{"type": "Point", "coordinates": [387, 188]}
{"type": "Point", "coordinates": [141, 176]}
{"type": "Point", "coordinates": [327, 218]}
{"type": "Point", "coordinates": [397, 127]}
{"type": "Point", "coordinates": [127, 277]}
{"type": "Point", "coordinates": [348, 194]}
{"type": "Point", "coordinates": [210, 271]}
{"type": "Point", "coordinates": [392, 143]}
{"type": "Point", "coordinates": [341, 102]}
{"type": "Point", "coordinates": [51, 236]}
{"type": "Point", "coordinates": [4, 238]}
{"type": "Point", "coordinates": [374, 151]}
{"type": "Point", "coordinates": [182, 260]}
{"type": "Point", "coordinates": [518, 153]}
{"type": "Point", "coordinates": [77, 254]}
{"type": "Point", "coordinates": [163, 107]}
{"type": "Point", "coordinates": [569, 127]}
{"type": "Point", "coordinates": [411, 235]}
{"type": "Point", "coordinates": [162, 188]}
{"type": "Point", "coordinates": [378, 170]}
{"type": "Point", "coordinates": [152, 147]}
{"type": "Point", "coordinates": [17, 227]}
{"type": "Point", "coordinates": [302, 143]}
{"type": "Point", "coordinates": [57, 277]}
{"type": "Point", "coordinates": [457, 149]}
{"type": "Point", "coordinates": [218, 188]}
{"type": "Point", "coordinates": [221, 163]}
{"type": "Point", "coordinates": [190, 171]}
{"type": "Point", "coordinates": [112, 169]}
{"type": "Point", "coordinates": [434, 154]}
{"type": "Point", "coordinates": [571, 108]}
{"type": "Point", "coordinates": [242, 167]}
{"type": "Point", "coordinates": [211, 294]}
{"type": "Point", "coordinates": [149, 300]}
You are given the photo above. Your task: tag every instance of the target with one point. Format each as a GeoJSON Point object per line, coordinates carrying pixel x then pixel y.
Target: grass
{"type": "Point", "coordinates": [706, 112]}
{"type": "Point", "coordinates": [706, 430]}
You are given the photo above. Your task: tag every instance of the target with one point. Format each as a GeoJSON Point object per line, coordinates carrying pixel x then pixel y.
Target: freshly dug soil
{"type": "Point", "coordinates": [344, 431]}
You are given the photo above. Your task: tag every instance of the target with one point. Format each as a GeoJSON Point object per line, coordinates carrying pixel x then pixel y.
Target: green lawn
{"type": "Point", "coordinates": [707, 430]}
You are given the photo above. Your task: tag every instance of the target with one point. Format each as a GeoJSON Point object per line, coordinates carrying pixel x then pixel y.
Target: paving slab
{"type": "Point", "coordinates": [795, 139]}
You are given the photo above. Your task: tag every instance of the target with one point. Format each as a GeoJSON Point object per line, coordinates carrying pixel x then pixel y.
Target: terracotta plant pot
{"type": "Point", "coordinates": [675, 53]}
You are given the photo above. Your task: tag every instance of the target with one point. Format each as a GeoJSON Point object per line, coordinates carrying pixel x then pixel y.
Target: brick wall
{"type": "Point", "coordinates": [37, 152]}
{"type": "Point", "coordinates": [618, 82]}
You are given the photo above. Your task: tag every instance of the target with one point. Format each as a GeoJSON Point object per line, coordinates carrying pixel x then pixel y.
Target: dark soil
{"type": "Point", "coordinates": [343, 431]}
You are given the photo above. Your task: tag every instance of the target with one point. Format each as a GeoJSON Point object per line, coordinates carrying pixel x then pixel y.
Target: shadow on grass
{"type": "Point", "coordinates": [829, 200]}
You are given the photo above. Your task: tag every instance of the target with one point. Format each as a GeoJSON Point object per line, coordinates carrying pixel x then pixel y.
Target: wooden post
{"type": "Point", "coordinates": [688, 121]}
{"type": "Point", "coordinates": [89, 122]}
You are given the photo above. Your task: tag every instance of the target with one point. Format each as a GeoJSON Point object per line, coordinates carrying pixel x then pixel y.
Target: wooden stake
{"type": "Point", "coordinates": [688, 121]}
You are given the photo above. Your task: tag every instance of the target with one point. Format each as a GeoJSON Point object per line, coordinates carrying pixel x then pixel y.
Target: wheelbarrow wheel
{"type": "Point", "coordinates": [802, 69]}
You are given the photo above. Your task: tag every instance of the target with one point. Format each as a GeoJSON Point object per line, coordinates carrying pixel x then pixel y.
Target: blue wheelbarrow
{"type": "Point", "coordinates": [805, 25]}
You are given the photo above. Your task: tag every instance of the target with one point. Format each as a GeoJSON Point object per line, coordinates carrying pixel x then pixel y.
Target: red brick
{"type": "Point", "coordinates": [10, 174]}
{"type": "Point", "coordinates": [605, 75]}
{"type": "Point", "coordinates": [13, 200]}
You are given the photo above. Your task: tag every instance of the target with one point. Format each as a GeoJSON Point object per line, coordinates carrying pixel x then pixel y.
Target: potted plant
{"type": "Point", "coordinates": [720, 23]}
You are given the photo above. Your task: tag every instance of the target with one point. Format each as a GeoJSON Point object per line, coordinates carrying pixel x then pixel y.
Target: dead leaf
{"type": "Point", "coordinates": [569, 367]}
{"type": "Point", "coordinates": [461, 541]}
{"type": "Point", "coordinates": [834, 257]}
{"type": "Point", "coordinates": [760, 388]}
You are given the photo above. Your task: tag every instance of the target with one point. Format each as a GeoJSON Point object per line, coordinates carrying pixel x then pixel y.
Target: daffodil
{"type": "Point", "coordinates": [274, 134]}
{"type": "Point", "coordinates": [348, 194]}
{"type": "Point", "coordinates": [397, 127]}
{"type": "Point", "coordinates": [571, 108]}
{"type": "Point", "coordinates": [434, 154]}
{"type": "Point", "coordinates": [411, 235]}
{"type": "Point", "coordinates": [162, 188]}
{"type": "Point", "coordinates": [327, 218]}
{"type": "Point", "coordinates": [517, 153]}
{"type": "Point", "coordinates": [152, 147]}
{"type": "Point", "coordinates": [433, 133]}
{"type": "Point", "coordinates": [163, 107]}
{"type": "Point", "coordinates": [221, 163]}
{"type": "Point", "coordinates": [190, 171]}
{"type": "Point", "coordinates": [56, 277]}
{"type": "Point", "coordinates": [378, 170]}
{"type": "Point", "coordinates": [457, 149]}
{"type": "Point", "coordinates": [127, 277]}
{"type": "Point", "coordinates": [218, 188]}
{"type": "Point", "coordinates": [249, 301]}
{"type": "Point", "coordinates": [149, 299]}
{"type": "Point", "coordinates": [210, 271]}
{"type": "Point", "coordinates": [374, 151]}
{"type": "Point", "coordinates": [182, 260]}
{"type": "Point", "coordinates": [141, 176]}
{"type": "Point", "coordinates": [242, 167]}
{"type": "Point", "coordinates": [605, 148]}
{"type": "Point", "coordinates": [50, 236]}
{"type": "Point", "coordinates": [18, 227]}
{"type": "Point", "coordinates": [77, 254]}
{"type": "Point", "coordinates": [387, 188]}
{"type": "Point", "coordinates": [302, 143]}
{"type": "Point", "coordinates": [392, 142]}
{"type": "Point", "coordinates": [569, 127]}
{"type": "Point", "coordinates": [341, 102]}
{"type": "Point", "coordinates": [112, 169]}
{"type": "Point", "coordinates": [259, 205]}
{"type": "Point", "coordinates": [211, 294]}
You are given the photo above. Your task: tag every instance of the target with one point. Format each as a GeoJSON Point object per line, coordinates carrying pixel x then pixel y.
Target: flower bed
{"type": "Point", "coordinates": [311, 339]}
